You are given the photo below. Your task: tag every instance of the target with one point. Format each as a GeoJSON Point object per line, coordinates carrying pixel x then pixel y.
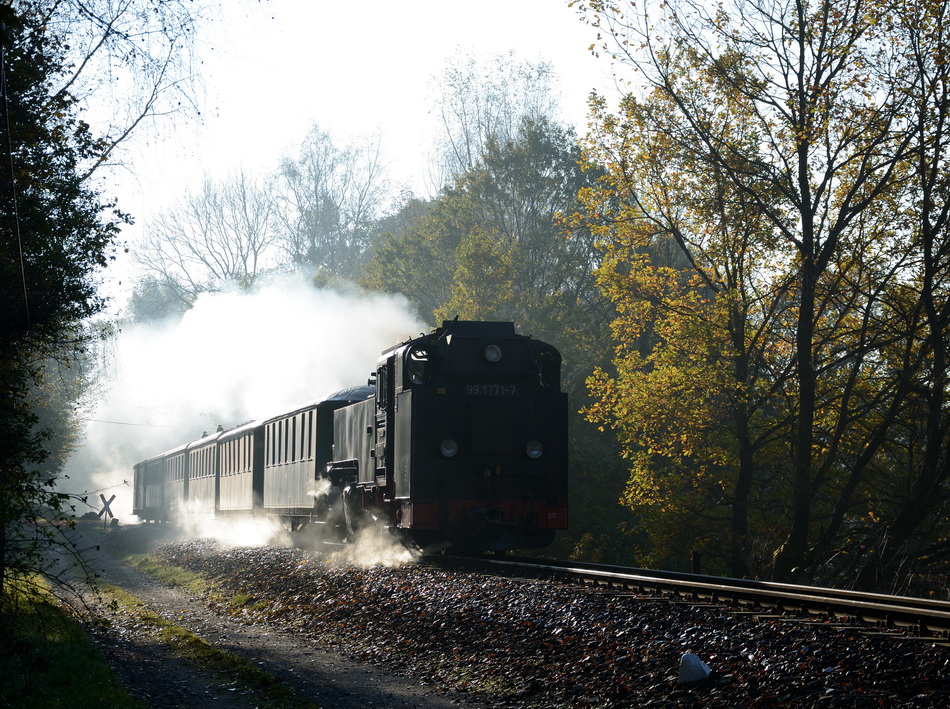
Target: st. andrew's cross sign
{"type": "Point", "coordinates": [105, 507]}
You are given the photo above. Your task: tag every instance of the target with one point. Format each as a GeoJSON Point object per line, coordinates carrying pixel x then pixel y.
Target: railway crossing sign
{"type": "Point", "coordinates": [105, 507]}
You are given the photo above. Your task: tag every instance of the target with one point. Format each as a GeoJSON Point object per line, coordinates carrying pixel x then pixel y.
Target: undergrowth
{"type": "Point", "coordinates": [46, 657]}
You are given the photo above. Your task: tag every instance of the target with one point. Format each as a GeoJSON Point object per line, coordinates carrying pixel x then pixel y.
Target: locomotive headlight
{"type": "Point", "coordinates": [448, 448]}
{"type": "Point", "coordinates": [534, 449]}
{"type": "Point", "coordinates": [493, 353]}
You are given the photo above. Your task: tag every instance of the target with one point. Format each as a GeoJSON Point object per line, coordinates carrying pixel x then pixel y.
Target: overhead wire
{"type": "Point", "coordinates": [129, 423]}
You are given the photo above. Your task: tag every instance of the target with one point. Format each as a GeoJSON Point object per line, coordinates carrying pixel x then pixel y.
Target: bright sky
{"type": "Point", "coordinates": [274, 67]}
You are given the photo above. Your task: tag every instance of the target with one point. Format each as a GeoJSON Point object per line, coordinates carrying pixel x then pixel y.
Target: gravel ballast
{"type": "Point", "coordinates": [533, 643]}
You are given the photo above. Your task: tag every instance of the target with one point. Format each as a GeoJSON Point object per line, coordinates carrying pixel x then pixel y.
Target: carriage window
{"type": "Point", "coordinates": [286, 439]}
{"type": "Point", "coordinates": [310, 435]}
{"type": "Point", "coordinates": [293, 438]}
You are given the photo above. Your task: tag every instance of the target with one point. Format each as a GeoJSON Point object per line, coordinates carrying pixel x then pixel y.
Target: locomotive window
{"type": "Point", "coordinates": [549, 367]}
{"type": "Point", "coordinates": [381, 379]}
{"type": "Point", "coordinates": [418, 365]}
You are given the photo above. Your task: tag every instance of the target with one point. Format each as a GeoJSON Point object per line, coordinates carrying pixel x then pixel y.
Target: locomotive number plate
{"type": "Point", "coordinates": [490, 389]}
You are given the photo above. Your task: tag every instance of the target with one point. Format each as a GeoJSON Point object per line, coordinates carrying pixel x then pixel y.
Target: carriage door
{"type": "Point", "coordinates": [385, 416]}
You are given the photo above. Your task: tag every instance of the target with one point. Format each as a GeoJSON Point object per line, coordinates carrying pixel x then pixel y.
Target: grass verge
{"type": "Point", "coordinates": [173, 575]}
{"type": "Point", "coordinates": [46, 657]}
{"type": "Point", "coordinates": [229, 668]}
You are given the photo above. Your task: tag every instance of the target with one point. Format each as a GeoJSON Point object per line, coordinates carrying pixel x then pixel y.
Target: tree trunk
{"type": "Point", "coordinates": [791, 557]}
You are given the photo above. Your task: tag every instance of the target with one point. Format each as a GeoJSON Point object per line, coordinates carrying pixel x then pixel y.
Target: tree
{"type": "Point", "coordinates": [818, 161]}
{"type": "Point", "coordinates": [128, 62]}
{"type": "Point", "coordinates": [514, 261]}
{"type": "Point", "coordinates": [414, 253]}
{"type": "Point", "coordinates": [58, 234]}
{"type": "Point", "coordinates": [701, 296]}
{"type": "Point", "coordinates": [480, 101]}
{"type": "Point", "coordinates": [330, 198]}
{"type": "Point", "coordinates": [916, 517]}
{"type": "Point", "coordinates": [401, 257]}
{"type": "Point", "coordinates": [154, 299]}
{"type": "Point", "coordinates": [223, 233]}
{"type": "Point", "coordinates": [490, 246]}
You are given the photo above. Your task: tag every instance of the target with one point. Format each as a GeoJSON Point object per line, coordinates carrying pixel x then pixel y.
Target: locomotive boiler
{"type": "Point", "coordinates": [459, 440]}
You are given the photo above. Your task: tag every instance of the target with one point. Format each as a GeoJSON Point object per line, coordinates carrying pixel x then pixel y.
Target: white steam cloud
{"type": "Point", "coordinates": [234, 357]}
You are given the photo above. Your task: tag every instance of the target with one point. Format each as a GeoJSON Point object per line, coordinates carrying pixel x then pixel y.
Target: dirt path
{"type": "Point", "coordinates": [152, 673]}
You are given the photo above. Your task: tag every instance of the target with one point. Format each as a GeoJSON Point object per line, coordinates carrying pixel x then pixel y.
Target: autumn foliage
{"type": "Point", "coordinates": [773, 223]}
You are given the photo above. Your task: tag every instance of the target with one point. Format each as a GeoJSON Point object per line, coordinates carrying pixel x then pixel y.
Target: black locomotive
{"type": "Point", "coordinates": [459, 440]}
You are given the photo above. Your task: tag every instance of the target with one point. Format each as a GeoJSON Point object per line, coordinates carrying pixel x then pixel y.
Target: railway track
{"type": "Point", "coordinates": [520, 633]}
{"type": "Point", "coordinates": [925, 618]}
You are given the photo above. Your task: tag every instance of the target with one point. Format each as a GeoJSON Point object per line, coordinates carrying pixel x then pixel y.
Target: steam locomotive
{"type": "Point", "coordinates": [459, 439]}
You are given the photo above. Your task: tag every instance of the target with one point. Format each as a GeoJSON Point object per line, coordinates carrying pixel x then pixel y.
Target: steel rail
{"type": "Point", "coordinates": [926, 616]}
